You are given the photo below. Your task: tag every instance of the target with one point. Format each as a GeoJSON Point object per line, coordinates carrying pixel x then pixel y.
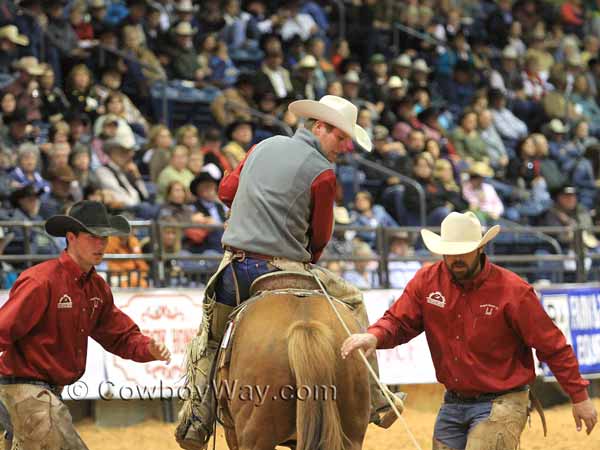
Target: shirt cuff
{"type": "Point", "coordinates": [579, 396]}
{"type": "Point", "coordinates": [379, 333]}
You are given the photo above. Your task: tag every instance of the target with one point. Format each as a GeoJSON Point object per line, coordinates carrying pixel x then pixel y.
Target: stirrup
{"type": "Point", "coordinates": [385, 416]}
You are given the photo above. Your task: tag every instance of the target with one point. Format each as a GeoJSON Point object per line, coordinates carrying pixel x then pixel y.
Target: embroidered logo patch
{"type": "Point", "coordinates": [489, 309]}
{"type": "Point", "coordinates": [437, 299]}
{"type": "Point", "coordinates": [96, 302]}
{"type": "Point", "coordinates": [65, 302]}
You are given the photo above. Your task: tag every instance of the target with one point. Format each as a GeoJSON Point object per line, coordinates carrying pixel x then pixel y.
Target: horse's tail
{"type": "Point", "coordinates": [312, 359]}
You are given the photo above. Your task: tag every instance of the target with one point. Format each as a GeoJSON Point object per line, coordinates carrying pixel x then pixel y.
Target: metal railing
{"type": "Point", "coordinates": [233, 106]}
{"type": "Point", "coordinates": [341, 6]}
{"type": "Point", "coordinates": [392, 173]}
{"type": "Point", "coordinates": [551, 262]}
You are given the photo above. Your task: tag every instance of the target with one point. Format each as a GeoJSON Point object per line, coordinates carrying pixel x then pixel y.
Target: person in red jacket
{"type": "Point", "coordinates": [44, 326]}
{"type": "Point", "coordinates": [481, 322]}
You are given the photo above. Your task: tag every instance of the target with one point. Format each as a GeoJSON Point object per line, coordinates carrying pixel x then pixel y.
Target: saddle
{"type": "Point", "coordinates": [283, 279]}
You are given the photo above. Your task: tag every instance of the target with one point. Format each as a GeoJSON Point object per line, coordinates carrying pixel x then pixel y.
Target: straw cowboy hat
{"type": "Point", "coordinates": [336, 111]}
{"type": "Point", "coordinates": [185, 29]}
{"type": "Point", "coordinates": [89, 217]}
{"type": "Point", "coordinates": [31, 65]}
{"type": "Point", "coordinates": [185, 6]}
{"type": "Point", "coordinates": [481, 169]}
{"type": "Point", "coordinates": [461, 233]}
{"type": "Point", "coordinates": [11, 32]}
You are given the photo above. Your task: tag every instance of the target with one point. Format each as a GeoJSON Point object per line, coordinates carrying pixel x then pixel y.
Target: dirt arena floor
{"type": "Point", "coordinates": [562, 435]}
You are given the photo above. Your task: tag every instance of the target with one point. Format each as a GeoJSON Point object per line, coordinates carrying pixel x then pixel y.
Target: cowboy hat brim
{"type": "Point", "coordinates": [59, 225]}
{"type": "Point", "coordinates": [434, 242]}
{"type": "Point", "coordinates": [312, 109]}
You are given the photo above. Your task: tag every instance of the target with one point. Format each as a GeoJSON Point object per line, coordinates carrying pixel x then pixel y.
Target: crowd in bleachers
{"type": "Point", "coordinates": [489, 106]}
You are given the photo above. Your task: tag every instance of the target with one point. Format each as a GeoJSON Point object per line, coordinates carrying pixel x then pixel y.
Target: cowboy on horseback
{"type": "Point", "coordinates": [282, 197]}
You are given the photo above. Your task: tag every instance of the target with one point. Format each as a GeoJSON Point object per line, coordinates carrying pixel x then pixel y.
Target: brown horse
{"type": "Point", "coordinates": [286, 351]}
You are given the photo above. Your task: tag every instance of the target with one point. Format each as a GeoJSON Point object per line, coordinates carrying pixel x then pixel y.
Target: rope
{"type": "Point", "coordinates": [387, 394]}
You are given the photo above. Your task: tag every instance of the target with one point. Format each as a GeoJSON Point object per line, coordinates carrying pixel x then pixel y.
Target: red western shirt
{"type": "Point", "coordinates": [322, 196]}
{"type": "Point", "coordinates": [480, 335]}
{"type": "Point", "coordinates": [52, 309]}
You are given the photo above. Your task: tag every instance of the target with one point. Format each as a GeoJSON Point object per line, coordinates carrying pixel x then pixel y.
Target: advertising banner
{"type": "Point", "coordinates": [576, 311]}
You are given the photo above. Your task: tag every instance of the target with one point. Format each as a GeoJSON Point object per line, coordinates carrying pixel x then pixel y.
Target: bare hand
{"type": "Point", "coordinates": [585, 411]}
{"type": "Point", "coordinates": [365, 341]}
{"type": "Point", "coordinates": [159, 351]}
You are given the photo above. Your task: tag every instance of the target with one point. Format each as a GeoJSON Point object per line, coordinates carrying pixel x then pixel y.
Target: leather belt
{"type": "Point", "coordinates": [239, 254]}
{"type": "Point", "coordinates": [457, 397]}
{"type": "Point", "coordinates": [56, 389]}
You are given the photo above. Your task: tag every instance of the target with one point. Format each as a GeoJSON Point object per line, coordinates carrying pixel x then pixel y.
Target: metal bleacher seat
{"type": "Point", "coordinates": [185, 104]}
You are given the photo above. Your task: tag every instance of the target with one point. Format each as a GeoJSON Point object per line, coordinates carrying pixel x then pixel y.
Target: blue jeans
{"type": "Point", "coordinates": [456, 420]}
{"type": "Point", "coordinates": [246, 272]}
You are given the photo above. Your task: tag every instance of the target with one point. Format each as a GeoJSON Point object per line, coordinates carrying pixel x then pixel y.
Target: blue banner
{"type": "Point", "coordinates": [576, 311]}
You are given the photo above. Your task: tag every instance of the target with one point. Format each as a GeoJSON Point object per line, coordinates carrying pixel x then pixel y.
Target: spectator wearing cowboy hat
{"type": "Point", "coordinates": [234, 102]}
{"type": "Point", "coordinates": [10, 40]}
{"type": "Point", "coordinates": [25, 87]}
{"type": "Point", "coordinates": [303, 79]}
{"type": "Point", "coordinates": [18, 130]}
{"type": "Point", "coordinates": [204, 189]}
{"type": "Point", "coordinates": [64, 301]}
{"type": "Point", "coordinates": [26, 203]}
{"type": "Point", "coordinates": [64, 191]}
{"type": "Point", "coordinates": [467, 306]}
{"type": "Point", "coordinates": [122, 178]}
{"type": "Point", "coordinates": [482, 197]}
{"type": "Point", "coordinates": [239, 135]}
{"type": "Point", "coordinates": [281, 198]}
{"type": "Point", "coordinates": [184, 59]}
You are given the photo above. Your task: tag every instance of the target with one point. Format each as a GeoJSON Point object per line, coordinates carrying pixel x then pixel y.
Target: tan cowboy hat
{"type": "Point", "coordinates": [341, 215]}
{"type": "Point", "coordinates": [11, 32]}
{"type": "Point", "coordinates": [185, 6]}
{"type": "Point", "coordinates": [30, 65]}
{"type": "Point", "coordinates": [185, 29]}
{"type": "Point", "coordinates": [461, 233]}
{"type": "Point", "coordinates": [336, 111]}
{"type": "Point", "coordinates": [479, 168]}
{"type": "Point", "coordinates": [420, 65]}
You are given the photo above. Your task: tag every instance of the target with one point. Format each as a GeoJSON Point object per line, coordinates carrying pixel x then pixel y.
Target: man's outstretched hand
{"type": "Point", "coordinates": [159, 351]}
{"type": "Point", "coordinates": [366, 341]}
{"type": "Point", "coordinates": [586, 412]}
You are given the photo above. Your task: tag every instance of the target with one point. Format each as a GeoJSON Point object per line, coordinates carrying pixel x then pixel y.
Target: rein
{"type": "Point", "coordinates": [387, 394]}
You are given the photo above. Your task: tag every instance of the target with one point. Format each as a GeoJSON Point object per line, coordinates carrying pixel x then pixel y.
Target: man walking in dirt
{"type": "Point", "coordinates": [481, 322]}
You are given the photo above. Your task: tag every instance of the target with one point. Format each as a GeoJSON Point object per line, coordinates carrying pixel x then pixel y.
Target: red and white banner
{"type": "Point", "coordinates": [408, 363]}
{"type": "Point", "coordinates": [168, 316]}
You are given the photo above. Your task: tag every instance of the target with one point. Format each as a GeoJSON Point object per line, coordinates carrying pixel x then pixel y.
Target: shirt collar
{"type": "Point", "coordinates": [72, 267]}
{"type": "Point", "coordinates": [473, 283]}
{"type": "Point", "coordinates": [302, 134]}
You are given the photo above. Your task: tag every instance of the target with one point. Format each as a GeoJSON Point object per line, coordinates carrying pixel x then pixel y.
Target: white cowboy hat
{"type": "Point", "coordinates": [336, 111]}
{"type": "Point", "coordinates": [461, 233]}
{"type": "Point", "coordinates": [307, 62]}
